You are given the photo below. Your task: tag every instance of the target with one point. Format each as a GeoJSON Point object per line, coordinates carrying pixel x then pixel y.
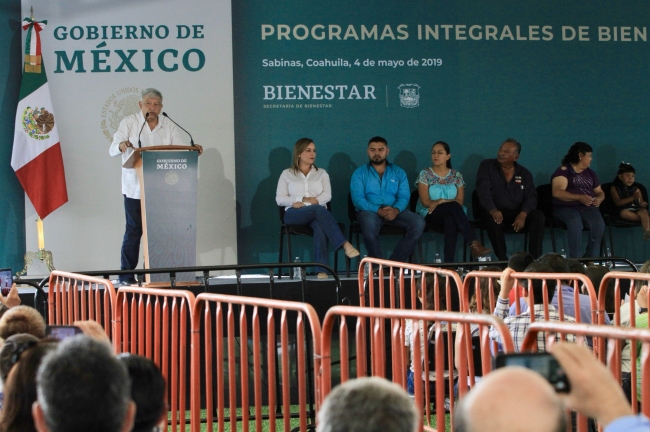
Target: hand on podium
{"type": "Point", "coordinates": [124, 145]}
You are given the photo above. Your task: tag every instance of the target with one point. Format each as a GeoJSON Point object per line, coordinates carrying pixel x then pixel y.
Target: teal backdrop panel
{"type": "Point", "coordinates": [465, 72]}
{"type": "Point", "coordinates": [12, 196]}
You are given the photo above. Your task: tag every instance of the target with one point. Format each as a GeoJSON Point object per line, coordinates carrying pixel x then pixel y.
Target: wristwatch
{"type": "Point", "coordinates": [643, 310]}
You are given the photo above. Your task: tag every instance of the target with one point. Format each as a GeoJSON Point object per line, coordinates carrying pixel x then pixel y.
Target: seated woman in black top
{"type": "Point", "coordinates": [628, 199]}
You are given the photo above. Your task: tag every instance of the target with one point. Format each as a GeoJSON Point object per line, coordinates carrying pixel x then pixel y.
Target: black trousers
{"type": "Point", "coordinates": [451, 218]}
{"type": "Point", "coordinates": [496, 232]}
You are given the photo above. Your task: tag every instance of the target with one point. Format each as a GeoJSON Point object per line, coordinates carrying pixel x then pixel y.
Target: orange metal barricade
{"type": "Point", "coordinates": [376, 319]}
{"type": "Point", "coordinates": [156, 323]}
{"type": "Point", "coordinates": [226, 332]}
{"type": "Point", "coordinates": [575, 279]}
{"type": "Point", "coordinates": [603, 292]}
{"type": "Point", "coordinates": [614, 335]}
{"type": "Point", "coordinates": [397, 270]}
{"type": "Point", "coordinates": [75, 297]}
{"type": "Point", "coordinates": [476, 277]}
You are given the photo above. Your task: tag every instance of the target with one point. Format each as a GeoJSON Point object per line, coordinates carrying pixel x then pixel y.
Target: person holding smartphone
{"type": "Point", "coordinates": [515, 398]}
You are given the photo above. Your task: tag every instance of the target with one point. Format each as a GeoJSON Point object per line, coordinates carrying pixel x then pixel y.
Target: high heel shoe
{"type": "Point", "coordinates": [478, 250]}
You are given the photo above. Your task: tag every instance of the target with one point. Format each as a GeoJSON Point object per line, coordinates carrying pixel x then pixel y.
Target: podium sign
{"type": "Point", "coordinates": [168, 193]}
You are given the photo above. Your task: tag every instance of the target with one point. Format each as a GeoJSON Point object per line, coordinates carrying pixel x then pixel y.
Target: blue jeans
{"type": "Point", "coordinates": [576, 218]}
{"type": "Point", "coordinates": [326, 230]}
{"type": "Point", "coordinates": [452, 219]}
{"type": "Point", "coordinates": [132, 235]}
{"type": "Point", "coordinates": [371, 223]}
{"type": "Point", "coordinates": [410, 384]}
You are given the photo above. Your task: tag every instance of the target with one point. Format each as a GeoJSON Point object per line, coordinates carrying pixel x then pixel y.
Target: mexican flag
{"type": "Point", "coordinates": [36, 155]}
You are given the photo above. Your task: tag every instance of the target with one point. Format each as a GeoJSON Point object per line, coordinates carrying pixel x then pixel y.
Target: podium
{"type": "Point", "coordinates": [168, 177]}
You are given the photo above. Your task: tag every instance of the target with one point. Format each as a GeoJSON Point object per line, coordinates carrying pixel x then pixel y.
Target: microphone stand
{"type": "Point", "coordinates": [191, 139]}
{"type": "Point", "coordinates": [143, 123]}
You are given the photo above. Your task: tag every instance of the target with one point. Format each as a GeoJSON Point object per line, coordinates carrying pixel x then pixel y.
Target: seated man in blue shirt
{"type": "Point", "coordinates": [380, 193]}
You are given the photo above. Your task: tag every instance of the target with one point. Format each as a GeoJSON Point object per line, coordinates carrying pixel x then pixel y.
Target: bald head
{"type": "Point", "coordinates": [508, 400]}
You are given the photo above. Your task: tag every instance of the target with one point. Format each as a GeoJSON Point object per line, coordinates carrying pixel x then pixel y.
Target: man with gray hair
{"type": "Point", "coordinates": [131, 134]}
{"type": "Point", "coordinates": [369, 405]}
{"type": "Point", "coordinates": [82, 386]}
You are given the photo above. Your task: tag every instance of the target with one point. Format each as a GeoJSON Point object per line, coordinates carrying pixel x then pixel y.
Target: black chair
{"type": "Point", "coordinates": [611, 215]}
{"type": "Point", "coordinates": [355, 228]}
{"type": "Point", "coordinates": [429, 228]}
{"type": "Point", "coordinates": [545, 204]}
{"type": "Point", "coordinates": [481, 225]}
{"type": "Point", "coordinates": [305, 230]}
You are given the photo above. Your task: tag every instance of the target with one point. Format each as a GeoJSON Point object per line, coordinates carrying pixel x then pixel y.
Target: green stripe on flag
{"type": "Point", "coordinates": [28, 39]}
{"type": "Point", "coordinates": [31, 82]}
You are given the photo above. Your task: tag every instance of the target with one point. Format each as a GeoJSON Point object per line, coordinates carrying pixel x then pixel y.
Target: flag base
{"type": "Point", "coordinates": [43, 255]}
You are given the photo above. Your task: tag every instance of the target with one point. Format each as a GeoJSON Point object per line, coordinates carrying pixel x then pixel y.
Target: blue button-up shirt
{"type": "Point", "coordinates": [370, 192]}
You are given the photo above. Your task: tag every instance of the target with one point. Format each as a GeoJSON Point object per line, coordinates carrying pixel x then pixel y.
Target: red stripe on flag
{"type": "Point", "coordinates": [43, 179]}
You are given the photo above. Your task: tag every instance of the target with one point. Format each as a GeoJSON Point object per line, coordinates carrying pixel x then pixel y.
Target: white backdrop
{"type": "Point", "coordinates": [86, 233]}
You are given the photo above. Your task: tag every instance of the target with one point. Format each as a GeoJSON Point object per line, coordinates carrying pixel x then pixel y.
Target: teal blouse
{"type": "Point", "coordinates": [439, 187]}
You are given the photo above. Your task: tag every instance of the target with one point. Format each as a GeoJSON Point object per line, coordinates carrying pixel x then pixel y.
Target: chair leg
{"type": "Point", "coordinates": [336, 261]}
{"type": "Point", "coordinates": [280, 253]}
{"type": "Point", "coordinates": [526, 241]}
{"type": "Point", "coordinates": [552, 238]}
{"type": "Point", "coordinates": [357, 245]}
{"type": "Point", "coordinates": [347, 265]}
{"type": "Point", "coordinates": [289, 251]}
{"type": "Point", "coordinates": [611, 239]}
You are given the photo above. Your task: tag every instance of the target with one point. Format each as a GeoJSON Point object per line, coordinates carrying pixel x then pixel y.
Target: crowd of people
{"type": "Point", "coordinates": [496, 295]}
{"type": "Point", "coordinates": [75, 384]}
{"type": "Point", "coordinates": [79, 384]}
{"type": "Point", "coordinates": [506, 198]}
{"type": "Point", "coordinates": [508, 399]}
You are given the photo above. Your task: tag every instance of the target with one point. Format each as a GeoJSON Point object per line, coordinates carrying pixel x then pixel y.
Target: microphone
{"type": "Point", "coordinates": [143, 123]}
{"type": "Point", "coordinates": [191, 139]}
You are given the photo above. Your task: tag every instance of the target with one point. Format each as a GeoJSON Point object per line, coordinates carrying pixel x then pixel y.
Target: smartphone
{"type": "Point", "coordinates": [542, 363]}
{"type": "Point", "coordinates": [61, 332]}
{"type": "Point", "coordinates": [6, 281]}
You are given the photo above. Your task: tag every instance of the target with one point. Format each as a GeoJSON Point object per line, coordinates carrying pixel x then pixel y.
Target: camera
{"type": "Point", "coordinates": [542, 363]}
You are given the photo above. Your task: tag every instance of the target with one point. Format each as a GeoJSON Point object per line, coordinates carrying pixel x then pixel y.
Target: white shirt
{"type": "Point", "coordinates": [294, 187]}
{"type": "Point", "coordinates": [165, 133]}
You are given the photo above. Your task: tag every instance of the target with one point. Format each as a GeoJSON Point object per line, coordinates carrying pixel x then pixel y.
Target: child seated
{"type": "Point", "coordinates": [627, 197]}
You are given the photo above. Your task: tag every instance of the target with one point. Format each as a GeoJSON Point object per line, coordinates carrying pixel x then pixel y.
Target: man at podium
{"type": "Point", "coordinates": [142, 129]}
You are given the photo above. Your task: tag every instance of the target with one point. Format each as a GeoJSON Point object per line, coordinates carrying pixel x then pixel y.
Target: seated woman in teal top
{"type": "Point", "coordinates": [442, 191]}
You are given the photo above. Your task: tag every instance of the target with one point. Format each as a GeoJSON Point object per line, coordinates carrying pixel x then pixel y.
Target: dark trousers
{"type": "Point", "coordinates": [496, 232]}
{"type": "Point", "coordinates": [132, 236]}
{"type": "Point", "coordinates": [452, 219]}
